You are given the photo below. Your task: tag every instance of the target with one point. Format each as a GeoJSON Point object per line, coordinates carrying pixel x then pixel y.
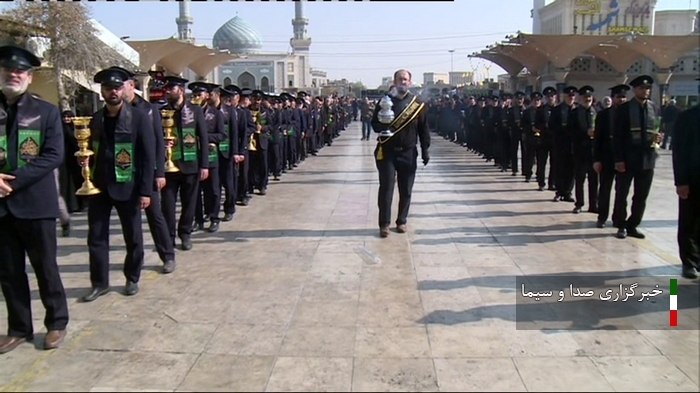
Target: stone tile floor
{"type": "Point", "coordinates": [299, 293]}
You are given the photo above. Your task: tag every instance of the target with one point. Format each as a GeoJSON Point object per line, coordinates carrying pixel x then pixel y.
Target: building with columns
{"type": "Point", "coordinates": [603, 43]}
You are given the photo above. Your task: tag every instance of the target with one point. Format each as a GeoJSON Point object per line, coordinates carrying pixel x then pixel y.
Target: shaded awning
{"type": "Point", "coordinates": [175, 55]}
{"type": "Point", "coordinates": [509, 64]}
{"type": "Point", "coordinates": [533, 51]}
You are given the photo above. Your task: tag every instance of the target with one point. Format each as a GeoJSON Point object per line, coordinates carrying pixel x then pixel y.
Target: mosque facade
{"type": "Point", "coordinates": [269, 72]}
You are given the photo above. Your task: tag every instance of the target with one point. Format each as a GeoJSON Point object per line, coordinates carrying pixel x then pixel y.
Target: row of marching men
{"type": "Point", "coordinates": [128, 164]}
{"type": "Point", "coordinates": [572, 137]}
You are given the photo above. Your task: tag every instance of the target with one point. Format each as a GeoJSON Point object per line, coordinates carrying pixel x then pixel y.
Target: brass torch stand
{"type": "Point", "coordinates": [82, 135]}
{"type": "Point", "coordinates": [168, 121]}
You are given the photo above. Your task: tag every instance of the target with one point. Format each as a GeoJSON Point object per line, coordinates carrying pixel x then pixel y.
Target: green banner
{"type": "Point", "coordinates": [223, 146]}
{"type": "Point", "coordinates": [188, 145]}
{"type": "Point", "coordinates": [213, 154]}
{"type": "Point", "coordinates": [4, 163]}
{"type": "Point", "coordinates": [29, 147]}
{"type": "Point", "coordinates": [123, 161]}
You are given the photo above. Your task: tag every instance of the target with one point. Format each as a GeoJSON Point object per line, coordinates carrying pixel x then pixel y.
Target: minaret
{"type": "Point", "coordinates": [184, 22]}
{"type": "Point", "coordinates": [300, 42]}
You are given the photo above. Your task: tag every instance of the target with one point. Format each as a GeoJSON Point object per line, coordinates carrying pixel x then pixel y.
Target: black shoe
{"type": "Point", "coordinates": [94, 294]}
{"type": "Point", "coordinates": [568, 199]}
{"type": "Point", "coordinates": [213, 227]}
{"type": "Point", "coordinates": [633, 232]}
{"type": "Point", "coordinates": [540, 188]}
{"type": "Point", "coordinates": [550, 188]}
{"type": "Point", "coordinates": [186, 243]}
{"type": "Point", "coordinates": [197, 227]}
{"type": "Point", "coordinates": [576, 210]}
{"type": "Point", "coordinates": [689, 272]}
{"type": "Point", "coordinates": [65, 230]}
{"type": "Point", "coordinates": [168, 267]}
{"type": "Point", "coordinates": [262, 192]}
{"type": "Point", "coordinates": [593, 210]}
{"type": "Point", "coordinates": [227, 217]}
{"type": "Point", "coordinates": [514, 174]}
{"type": "Point", "coordinates": [276, 178]}
{"type": "Point", "coordinates": [131, 288]}
{"type": "Point", "coordinates": [600, 224]}
{"type": "Point", "coordinates": [206, 218]}
{"type": "Point", "coordinates": [245, 202]}
{"type": "Point", "coordinates": [621, 233]}
{"type": "Point", "coordinates": [557, 198]}
{"type": "Point", "coordinates": [527, 180]}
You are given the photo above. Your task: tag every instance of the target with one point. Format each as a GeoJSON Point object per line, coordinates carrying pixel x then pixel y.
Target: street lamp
{"type": "Point", "coordinates": [452, 51]}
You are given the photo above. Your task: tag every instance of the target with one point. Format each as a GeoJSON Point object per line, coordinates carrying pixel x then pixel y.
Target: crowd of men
{"type": "Point", "coordinates": [580, 150]}
{"type": "Point", "coordinates": [225, 143]}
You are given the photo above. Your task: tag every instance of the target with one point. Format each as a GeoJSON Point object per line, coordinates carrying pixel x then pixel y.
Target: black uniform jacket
{"type": "Point", "coordinates": [34, 195]}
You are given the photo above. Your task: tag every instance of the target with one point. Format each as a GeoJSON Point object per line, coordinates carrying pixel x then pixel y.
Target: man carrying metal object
{"type": "Point", "coordinates": [400, 121]}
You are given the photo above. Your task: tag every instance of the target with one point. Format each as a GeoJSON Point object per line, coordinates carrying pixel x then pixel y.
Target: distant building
{"type": "Point", "coordinates": [319, 78]}
{"type": "Point", "coordinates": [387, 81]}
{"type": "Point", "coordinates": [431, 78]}
{"type": "Point", "coordinates": [459, 78]}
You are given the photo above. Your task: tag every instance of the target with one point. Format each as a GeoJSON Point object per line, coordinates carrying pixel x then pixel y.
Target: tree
{"type": "Point", "coordinates": [356, 88]}
{"type": "Point", "coordinates": [72, 40]}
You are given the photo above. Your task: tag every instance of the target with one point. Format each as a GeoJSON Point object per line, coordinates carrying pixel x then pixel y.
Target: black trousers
{"type": "Point", "coordinates": [529, 155]}
{"type": "Point", "coordinates": [504, 150]}
{"type": "Point", "coordinates": [544, 153]}
{"type": "Point", "coordinates": [583, 167]}
{"type": "Point", "coordinates": [187, 186]}
{"type": "Point", "coordinates": [35, 239]}
{"type": "Point", "coordinates": [99, 213]}
{"type": "Point", "coordinates": [291, 154]}
{"type": "Point", "coordinates": [689, 229]}
{"type": "Point", "coordinates": [396, 167]}
{"type": "Point", "coordinates": [311, 143]}
{"type": "Point", "coordinates": [242, 183]}
{"type": "Point", "coordinates": [642, 180]}
{"type": "Point", "coordinates": [515, 144]}
{"type": "Point", "coordinates": [226, 176]}
{"type": "Point", "coordinates": [607, 178]}
{"type": "Point", "coordinates": [159, 229]}
{"type": "Point", "coordinates": [565, 171]}
{"type": "Point", "coordinates": [209, 197]}
{"type": "Point", "coordinates": [275, 159]}
{"type": "Point", "coordinates": [259, 170]}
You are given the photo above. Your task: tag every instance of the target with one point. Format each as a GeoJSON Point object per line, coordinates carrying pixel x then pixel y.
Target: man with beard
{"type": "Point", "coordinates": [603, 157]}
{"type": "Point", "coordinates": [191, 158]}
{"type": "Point", "coordinates": [246, 122]}
{"type": "Point", "coordinates": [209, 195]}
{"type": "Point", "coordinates": [634, 144]}
{"type": "Point", "coordinates": [396, 154]}
{"type": "Point", "coordinates": [31, 148]}
{"type": "Point", "coordinates": [154, 211]}
{"type": "Point", "coordinates": [124, 144]}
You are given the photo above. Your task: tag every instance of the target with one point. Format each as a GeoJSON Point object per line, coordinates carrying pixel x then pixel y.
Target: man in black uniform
{"type": "Point", "coordinates": [31, 148]}
{"type": "Point", "coordinates": [124, 144]}
{"type": "Point", "coordinates": [258, 160]}
{"type": "Point", "coordinates": [209, 196]}
{"type": "Point", "coordinates": [634, 145]}
{"type": "Point", "coordinates": [154, 212]}
{"type": "Point", "coordinates": [246, 129]}
{"type": "Point", "coordinates": [228, 149]}
{"type": "Point", "coordinates": [396, 155]}
{"type": "Point", "coordinates": [563, 153]}
{"type": "Point", "coordinates": [190, 157]}
{"type": "Point", "coordinates": [603, 157]}
{"type": "Point", "coordinates": [516, 131]}
{"type": "Point", "coordinates": [545, 139]}
{"type": "Point", "coordinates": [530, 138]}
{"type": "Point", "coordinates": [581, 131]}
{"type": "Point", "coordinates": [686, 171]}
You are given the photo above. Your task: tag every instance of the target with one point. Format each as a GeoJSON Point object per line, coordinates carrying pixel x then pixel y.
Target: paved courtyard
{"type": "Point", "coordinates": [299, 293]}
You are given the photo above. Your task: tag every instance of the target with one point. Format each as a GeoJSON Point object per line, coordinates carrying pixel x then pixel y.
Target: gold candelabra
{"type": "Point", "coordinates": [168, 122]}
{"type": "Point", "coordinates": [82, 136]}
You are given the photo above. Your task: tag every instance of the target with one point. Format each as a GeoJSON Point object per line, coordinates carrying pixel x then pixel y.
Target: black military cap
{"type": "Point", "coordinates": [619, 89]}
{"type": "Point", "coordinates": [519, 94]}
{"type": "Point", "coordinates": [586, 90]}
{"type": "Point", "coordinates": [213, 87]}
{"type": "Point", "coordinates": [198, 87]}
{"type": "Point", "coordinates": [302, 94]}
{"type": "Point", "coordinates": [470, 97]}
{"type": "Point", "coordinates": [112, 77]}
{"type": "Point", "coordinates": [536, 96]}
{"type": "Point", "coordinates": [570, 90]}
{"type": "Point", "coordinates": [506, 96]}
{"type": "Point", "coordinates": [258, 93]}
{"type": "Point", "coordinates": [124, 70]}
{"type": "Point", "coordinates": [174, 81]}
{"type": "Point", "coordinates": [232, 89]}
{"type": "Point", "coordinates": [18, 58]}
{"type": "Point", "coordinates": [549, 91]}
{"type": "Point", "coordinates": [481, 99]}
{"type": "Point", "coordinates": [642, 80]}
{"type": "Point", "coordinates": [246, 92]}
{"type": "Point", "coordinates": [286, 97]}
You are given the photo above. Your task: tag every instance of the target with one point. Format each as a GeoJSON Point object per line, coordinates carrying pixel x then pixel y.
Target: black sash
{"type": "Point", "coordinates": [642, 132]}
{"type": "Point", "coordinates": [123, 142]}
{"type": "Point", "coordinates": [405, 118]}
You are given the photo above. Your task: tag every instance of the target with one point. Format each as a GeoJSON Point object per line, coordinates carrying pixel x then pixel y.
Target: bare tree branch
{"type": "Point", "coordinates": [74, 45]}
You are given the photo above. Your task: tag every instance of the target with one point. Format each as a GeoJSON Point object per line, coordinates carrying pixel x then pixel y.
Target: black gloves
{"type": "Point", "coordinates": [426, 156]}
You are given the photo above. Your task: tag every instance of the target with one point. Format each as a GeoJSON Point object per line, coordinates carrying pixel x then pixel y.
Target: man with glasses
{"type": "Point", "coordinates": [603, 157]}
{"type": "Point", "coordinates": [31, 148]}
